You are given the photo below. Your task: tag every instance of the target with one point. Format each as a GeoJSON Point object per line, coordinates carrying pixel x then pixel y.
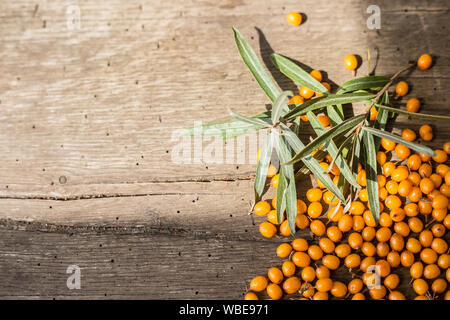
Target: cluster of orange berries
{"type": "Point", "coordinates": [414, 189]}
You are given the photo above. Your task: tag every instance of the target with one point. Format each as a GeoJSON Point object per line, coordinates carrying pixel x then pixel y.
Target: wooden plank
{"type": "Point", "coordinates": [87, 122]}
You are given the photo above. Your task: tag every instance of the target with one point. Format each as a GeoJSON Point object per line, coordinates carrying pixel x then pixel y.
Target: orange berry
{"type": "Point", "coordinates": [275, 275]}
{"type": "Point", "coordinates": [393, 202]}
{"type": "Point", "coordinates": [373, 114]}
{"type": "Point", "coordinates": [355, 286]}
{"type": "Point", "coordinates": [441, 156]}
{"type": "Point", "coordinates": [439, 245]}
{"type": "Point", "coordinates": [335, 213]}
{"type": "Point", "coordinates": [366, 263]}
{"type": "Point", "coordinates": [322, 272]}
{"type": "Point", "coordinates": [324, 120]}
{"type": "Point", "coordinates": [424, 157]}
{"type": "Point", "coordinates": [359, 296]}
{"type": "Point", "coordinates": [301, 259]}
{"type": "Point", "coordinates": [316, 74]}
{"type": "Point", "coordinates": [438, 230]}
{"type": "Point", "coordinates": [402, 228]}
{"type": "Point", "coordinates": [392, 187]}
{"type": "Point", "coordinates": [388, 168]}
{"type": "Point", "coordinates": [324, 284]}
{"type": "Point", "coordinates": [308, 274]}
{"type": "Point", "coordinates": [343, 250]}
{"type": "Point", "coordinates": [415, 224]}
{"type": "Point", "coordinates": [424, 62]}
{"type": "Point", "coordinates": [358, 223]}
{"type": "Point", "coordinates": [271, 171]}
{"type": "Point", "coordinates": [306, 92]}
{"type": "Point", "coordinates": [425, 170]}
{"type": "Point", "coordinates": [446, 147]}
{"type": "Point", "coordinates": [411, 209]}
{"type": "Point", "coordinates": [420, 286]}
{"type": "Point", "coordinates": [425, 238]}
{"type": "Point", "coordinates": [413, 245]}
{"type": "Point", "coordinates": [288, 268]}
{"type": "Point", "coordinates": [369, 219]}
{"type": "Point", "coordinates": [267, 229]}
{"type": "Point", "coordinates": [274, 181]}
{"type": "Point", "coordinates": [368, 249]}
{"type": "Point", "coordinates": [413, 105]}
{"type": "Point", "coordinates": [388, 145]}
{"type": "Point", "coordinates": [378, 292]}
{"type": "Point", "coordinates": [326, 245]}
{"type": "Point", "coordinates": [345, 223]}
{"type": "Point", "coordinates": [385, 220]}
{"type": "Point", "coordinates": [414, 177]}
{"type": "Point", "coordinates": [300, 244]}
{"type": "Point", "coordinates": [315, 209]}
{"type": "Point", "coordinates": [294, 18]}
{"type": "Point", "coordinates": [425, 207]}
{"type": "Point", "coordinates": [397, 214]}
{"type": "Point", "coordinates": [440, 202]}
{"type": "Point", "coordinates": [261, 208]}
{"type": "Point", "coordinates": [439, 286]}
{"type": "Point", "coordinates": [405, 188]}
{"type": "Point", "coordinates": [414, 162]}
{"type": "Point", "coordinates": [317, 227]}
{"type": "Point", "coordinates": [416, 270]}
{"type": "Point", "coordinates": [284, 250]}
{"type": "Point", "coordinates": [428, 256]}
{"type": "Point", "coordinates": [274, 291]}
{"type": "Point", "coordinates": [363, 195]}
{"type": "Point", "coordinates": [338, 289]}
{"type": "Point", "coordinates": [314, 194]}
{"type": "Point", "coordinates": [258, 283]}
{"type": "Point", "coordinates": [301, 206]}
{"type": "Point", "coordinates": [407, 258]}
{"type": "Point", "coordinates": [356, 208]}
{"type": "Point", "coordinates": [383, 234]}
{"type": "Point", "coordinates": [315, 252]}
{"type": "Point", "coordinates": [291, 285]}
{"type": "Point", "coordinates": [415, 194]}
{"type": "Point", "coordinates": [381, 158]}
{"type": "Point", "coordinates": [334, 234]}
{"type": "Point", "coordinates": [401, 89]}
{"type": "Point", "coordinates": [431, 271]}
{"type": "Point", "coordinates": [302, 221]}
{"type": "Point", "coordinates": [426, 185]}
{"type": "Point", "coordinates": [328, 197]}
{"type": "Point", "coordinates": [396, 295]}
{"type": "Point", "coordinates": [401, 151]}
{"type": "Point", "coordinates": [250, 296]}
{"type": "Point", "coordinates": [331, 262]}
{"type": "Point", "coordinates": [400, 173]}
{"type": "Point", "coordinates": [393, 258]}
{"type": "Point", "coordinates": [350, 62]}
{"type": "Point", "coordinates": [361, 178]}
{"type": "Point", "coordinates": [426, 132]}
{"type": "Point", "coordinates": [296, 100]}
{"type": "Point", "coordinates": [392, 281]}
{"type": "Point", "coordinates": [284, 229]}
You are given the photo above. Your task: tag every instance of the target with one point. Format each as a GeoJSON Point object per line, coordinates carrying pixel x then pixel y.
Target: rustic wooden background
{"type": "Point", "coordinates": [86, 120]}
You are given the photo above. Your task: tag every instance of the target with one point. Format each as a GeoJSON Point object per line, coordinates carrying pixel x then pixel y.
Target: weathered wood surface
{"type": "Point", "coordinates": [87, 118]}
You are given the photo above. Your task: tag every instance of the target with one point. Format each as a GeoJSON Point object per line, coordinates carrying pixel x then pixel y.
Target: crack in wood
{"type": "Point", "coordinates": [33, 226]}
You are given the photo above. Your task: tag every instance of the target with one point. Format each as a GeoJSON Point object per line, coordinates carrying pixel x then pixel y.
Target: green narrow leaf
{"type": "Point", "coordinates": [414, 114]}
{"type": "Point", "coordinates": [348, 124]}
{"type": "Point", "coordinates": [330, 100]}
{"type": "Point", "coordinates": [281, 194]}
{"type": "Point", "coordinates": [297, 74]}
{"type": "Point", "coordinates": [339, 151]}
{"type": "Point", "coordinates": [255, 66]}
{"type": "Point", "coordinates": [371, 176]}
{"type": "Point", "coordinates": [263, 165]}
{"type": "Point", "coordinates": [393, 137]}
{"type": "Point", "coordinates": [291, 192]}
{"type": "Point", "coordinates": [363, 83]}
{"type": "Point", "coordinates": [332, 149]}
{"type": "Point", "coordinates": [279, 105]}
{"type": "Point", "coordinates": [250, 120]}
{"type": "Point", "coordinates": [334, 115]}
{"type": "Point", "coordinates": [226, 130]}
{"type": "Point", "coordinates": [310, 162]}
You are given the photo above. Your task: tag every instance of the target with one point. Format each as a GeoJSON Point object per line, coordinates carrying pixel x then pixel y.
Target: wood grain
{"type": "Point", "coordinates": [87, 118]}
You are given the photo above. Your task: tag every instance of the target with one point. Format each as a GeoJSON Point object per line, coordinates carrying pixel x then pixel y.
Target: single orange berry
{"type": "Point", "coordinates": [316, 74]}
{"type": "Point", "coordinates": [291, 285]}
{"type": "Point", "coordinates": [301, 221]}
{"type": "Point", "coordinates": [251, 296]}
{"type": "Point", "coordinates": [324, 120]}
{"type": "Point", "coordinates": [315, 209]}
{"type": "Point", "coordinates": [350, 62]}
{"type": "Point", "coordinates": [301, 259]}
{"type": "Point", "coordinates": [294, 18]}
{"type": "Point", "coordinates": [373, 114]}
{"type": "Point", "coordinates": [334, 234]}
{"type": "Point", "coordinates": [296, 100]}
{"type": "Point", "coordinates": [274, 291]}
{"type": "Point", "coordinates": [413, 105]}
{"type": "Point", "coordinates": [400, 173]}
{"type": "Point", "coordinates": [288, 268]}
{"type": "Point", "coordinates": [414, 162]}
{"type": "Point", "coordinates": [389, 167]}
{"type": "Point", "coordinates": [409, 135]}
{"type": "Point", "coordinates": [401, 89]}
{"type": "Point", "coordinates": [300, 244]}
{"type": "Point", "coordinates": [306, 92]}
{"type": "Point", "coordinates": [401, 151]}
{"type": "Point", "coordinates": [275, 275]}
{"type": "Point", "coordinates": [402, 228]}
{"type": "Point", "coordinates": [426, 132]}
{"type": "Point", "coordinates": [446, 147]}
{"type": "Point", "coordinates": [258, 283]}
{"type": "Point", "coordinates": [267, 229]}
{"type": "Point", "coordinates": [317, 227]}
{"type": "Point", "coordinates": [441, 156]}
{"type": "Point", "coordinates": [388, 145]}
{"type": "Point", "coordinates": [331, 262]}
{"type": "Point", "coordinates": [301, 206]}
{"type": "Point", "coordinates": [425, 170]}
{"type": "Point", "coordinates": [261, 208]}
{"type": "Point", "coordinates": [381, 158]}
{"type": "Point", "coordinates": [284, 250]}
{"type": "Point", "coordinates": [426, 185]}
{"type": "Point", "coordinates": [405, 188]}
{"type": "Point", "coordinates": [424, 62]}
{"type": "Point", "coordinates": [274, 180]}
{"type": "Point", "coordinates": [315, 252]}
{"type": "Point", "coordinates": [284, 229]}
